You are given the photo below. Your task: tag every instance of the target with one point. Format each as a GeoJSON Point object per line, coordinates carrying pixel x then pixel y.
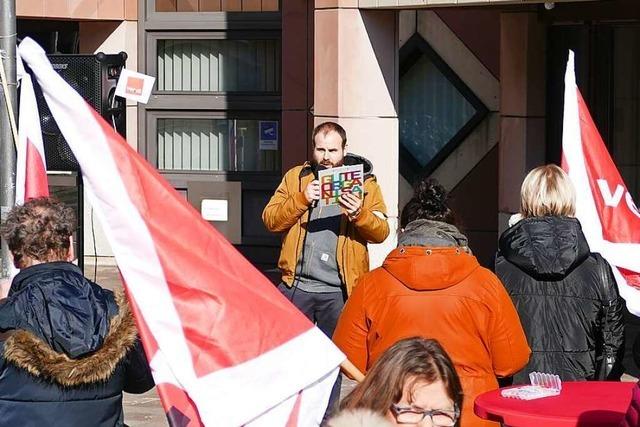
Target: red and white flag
{"type": "Point", "coordinates": [226, 348]}
{"type": "Point", "coordinates": [609, 217]}
{"type": "Point", "coordinates": [31, 167]}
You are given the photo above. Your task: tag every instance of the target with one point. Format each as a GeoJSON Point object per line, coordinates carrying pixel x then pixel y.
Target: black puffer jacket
{"type": "Point", "coordinates": [69, 350]}
{"type": "Point", "coordinates": [556, 286]}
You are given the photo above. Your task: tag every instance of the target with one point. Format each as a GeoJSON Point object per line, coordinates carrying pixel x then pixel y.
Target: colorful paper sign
{"type": "Point", "coordinates": [135, 86]}
{"type": "Point", "coordinates": [335, 182]}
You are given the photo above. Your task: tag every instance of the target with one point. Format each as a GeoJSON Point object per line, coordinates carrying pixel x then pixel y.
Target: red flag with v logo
{"type": "Point", "coordinates": [605, 208]}
{"type": "Point", "coordinates": [225, 347]}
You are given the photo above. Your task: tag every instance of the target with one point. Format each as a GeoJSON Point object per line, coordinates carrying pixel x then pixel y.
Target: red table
{"type": "Point", "coordinates": [586, 403]}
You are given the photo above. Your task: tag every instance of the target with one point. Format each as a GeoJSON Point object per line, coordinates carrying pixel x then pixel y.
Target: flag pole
{"type": "Point", "coordinates": [8, 102]}
{"type": "Point", "coordinates": [7, 120]}
{"type": "Point", "coordinates": [351, 370]}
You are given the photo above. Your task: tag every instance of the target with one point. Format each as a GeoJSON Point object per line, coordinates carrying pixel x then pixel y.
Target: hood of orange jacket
{"type": "Point", "coordinates": [440, 271]}
{"type": "Point", "coordinates": [439, 240]}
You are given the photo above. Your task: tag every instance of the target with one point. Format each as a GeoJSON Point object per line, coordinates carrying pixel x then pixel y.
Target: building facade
{"type": "Point", "coordinates": [477, 88]}
{"type": "Point", "coordinates": [469, 92]}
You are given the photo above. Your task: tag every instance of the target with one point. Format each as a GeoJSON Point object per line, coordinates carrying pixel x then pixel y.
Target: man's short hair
{"type": "Point", "coordinates": [39, 230]}
{"type": "Point", "coordinates": [326, 127]}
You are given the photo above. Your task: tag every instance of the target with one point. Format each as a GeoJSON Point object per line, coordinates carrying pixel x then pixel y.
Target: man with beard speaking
{"type": "Point", "coordinates": [324, 248]}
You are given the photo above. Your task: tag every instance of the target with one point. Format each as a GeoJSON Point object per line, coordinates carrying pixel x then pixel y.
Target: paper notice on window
{"type": "Point", "coordinates": [335, 182]}
{"type": "Point", "coordinates": [215, 210]}
{"type": "Point", "coordinates": [135, 86]}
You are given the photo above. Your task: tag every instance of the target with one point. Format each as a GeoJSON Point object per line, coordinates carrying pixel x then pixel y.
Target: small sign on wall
{"type": "Point", "coordinates": [268, 135]}
{"type": "Point", "coordinates": [215, 210]}
{"type": "Point", "coordinates": [135, 86]}
{"type": "Point", "coordinates": [220, 203]}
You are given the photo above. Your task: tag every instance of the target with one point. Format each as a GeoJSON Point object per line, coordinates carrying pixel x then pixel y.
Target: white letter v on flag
{"type": "Point", "coordinates": [609, 199]}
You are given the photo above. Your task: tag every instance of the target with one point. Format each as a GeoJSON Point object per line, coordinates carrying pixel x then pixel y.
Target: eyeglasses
{"type": "Point", "coordinates": [414, 415]}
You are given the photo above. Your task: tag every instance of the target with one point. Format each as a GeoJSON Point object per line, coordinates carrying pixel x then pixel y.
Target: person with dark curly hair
{"type": "Point", "coordinates": [69, 348]}
{"type": "Point", "coordinates": [432, 286]}
{"type": "Point", "coordinates": [38, 232]}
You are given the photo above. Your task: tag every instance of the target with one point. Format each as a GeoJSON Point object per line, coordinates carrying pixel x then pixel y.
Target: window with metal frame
{"type": "Point", "coordinates": [191, 144]}
{"type": "Point", "coordinates": [437, 111]}
{"type": "Point", "coordinates": [218, 65]}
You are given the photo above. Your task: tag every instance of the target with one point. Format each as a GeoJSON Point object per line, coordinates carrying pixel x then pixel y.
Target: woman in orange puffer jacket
{"type": "Point", "coordinates": [432, 286]}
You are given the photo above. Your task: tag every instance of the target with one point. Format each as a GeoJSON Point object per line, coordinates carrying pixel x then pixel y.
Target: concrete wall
{"type": "Point", "coordinates": [297, 81]}
{"type": "Point", "coordinates": [522, 98]}
{"type": "Point", "coordinates": [470, 172]}
{"type": "Point", "coordinates": [355, 63]}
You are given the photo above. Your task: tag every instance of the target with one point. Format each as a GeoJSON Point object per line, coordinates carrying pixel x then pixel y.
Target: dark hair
{"type": "Point", "coordinates": [38, 230]}
{"type": "Point", "coordinates": [429, 201]}
{"type": "Point", "coordinates": [327, 127]}
{"type": "Point", "coordinates": [410, 359]}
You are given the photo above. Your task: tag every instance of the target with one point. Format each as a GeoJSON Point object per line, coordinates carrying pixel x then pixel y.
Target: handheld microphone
{"type": "Point", "coordinates": [315, 168]}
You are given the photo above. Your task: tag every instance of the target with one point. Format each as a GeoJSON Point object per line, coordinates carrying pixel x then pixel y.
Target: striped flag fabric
{"type": "Point", "coordinates": [606, 210]}
{"type": "Point", "coordinates": [225, 347]}
{"type": "Point", "coordinates": [31, 166]}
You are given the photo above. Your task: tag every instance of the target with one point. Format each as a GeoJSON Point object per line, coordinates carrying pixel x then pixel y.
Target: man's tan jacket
{"type": "Point", "coordinates": [288, 212]}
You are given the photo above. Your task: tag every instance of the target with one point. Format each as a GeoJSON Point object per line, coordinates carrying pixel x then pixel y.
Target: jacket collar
{"type": "Point", "coordinates": [305, 170]}
{"type": "Point", "coordinates": [424, 232]}
{"type": "Point", "coordinates": [349, 160]}
{"type": "Point", "coordinates": [22, 278]}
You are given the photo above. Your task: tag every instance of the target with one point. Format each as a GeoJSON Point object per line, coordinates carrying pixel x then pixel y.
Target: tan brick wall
{"type": "Point", "coordinates": [118, 10]}
{"type": "Point", "coordinates": [217, 5]}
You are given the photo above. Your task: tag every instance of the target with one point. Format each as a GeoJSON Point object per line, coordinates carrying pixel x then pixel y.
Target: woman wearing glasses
{"type": "Point", "coordinates": [413, 383]}
{"type": "Point", "coordinates": [432, 286]}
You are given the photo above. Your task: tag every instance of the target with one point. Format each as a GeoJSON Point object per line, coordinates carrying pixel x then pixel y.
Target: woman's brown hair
{"type": "Point", "coordinates": [411, 359]}
{"type": "Point", "coordinates": [38, 230]}
{"type": "Point", "coordinates": [430, 201]}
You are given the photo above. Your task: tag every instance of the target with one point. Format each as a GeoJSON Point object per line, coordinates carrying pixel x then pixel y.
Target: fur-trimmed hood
{"type": "Point", "coordinates": [26, 351]}
{"type": "Point", "coordinates": [63, 327]}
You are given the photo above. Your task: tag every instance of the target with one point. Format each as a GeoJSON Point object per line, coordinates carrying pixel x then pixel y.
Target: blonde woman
{"type": "Point", "coordinates": [566, 296]}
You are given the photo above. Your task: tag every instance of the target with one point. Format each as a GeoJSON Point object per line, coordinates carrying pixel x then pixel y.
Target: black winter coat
{"type": "Point", "coordinates": [69, 350]}
{"type": "Point", "coordinates": [555, 283]}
